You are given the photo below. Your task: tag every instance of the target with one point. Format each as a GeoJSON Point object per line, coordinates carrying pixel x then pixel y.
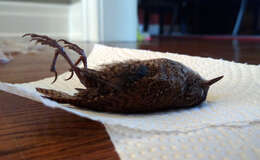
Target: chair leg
{"type": "Point", "coordinates": [174, 17]}
{"type": "Point", "coordinates": [162, 15]}
{"type": "Point", "coordinates": [239, 17]}
{"type": "Point", "coordinates": [146, 20]}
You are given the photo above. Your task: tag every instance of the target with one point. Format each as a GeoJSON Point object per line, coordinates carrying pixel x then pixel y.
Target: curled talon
{"type": "Point", "coordinates": [71, 75]}
{"type": "Point", "coordinates": [56, 76]}
{"type": "Point", "coordinates": [53, 69]}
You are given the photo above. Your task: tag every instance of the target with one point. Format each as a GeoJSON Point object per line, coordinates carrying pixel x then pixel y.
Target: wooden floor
{"type": "Point", "coordinates": [28, 130]}
{"type": "Point", "coordinates": [243, 51]}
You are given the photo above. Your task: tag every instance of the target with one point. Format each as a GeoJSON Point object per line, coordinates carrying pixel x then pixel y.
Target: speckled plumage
{"type": "Point", "coordinates": [132, 86]}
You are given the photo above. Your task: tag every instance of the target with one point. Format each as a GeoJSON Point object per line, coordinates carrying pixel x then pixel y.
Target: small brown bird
{"type": "Point", "coordinates": [133, 86]}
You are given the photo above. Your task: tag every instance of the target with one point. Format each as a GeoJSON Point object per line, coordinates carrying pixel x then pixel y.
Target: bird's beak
{"type": "Point", "coordinates": [212, 81]}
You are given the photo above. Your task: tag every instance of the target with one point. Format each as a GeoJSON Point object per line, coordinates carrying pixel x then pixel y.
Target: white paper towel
{"type": "Point", "coordinates": [212, 143]}
{"type": "Point", "coordinates": [226, 126]}
{"type": "Point", "coordinates": [232, 101]}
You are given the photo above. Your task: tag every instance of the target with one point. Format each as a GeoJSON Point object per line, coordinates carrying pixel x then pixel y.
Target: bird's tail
{"type": "Point", "coordinates": [57, 96]}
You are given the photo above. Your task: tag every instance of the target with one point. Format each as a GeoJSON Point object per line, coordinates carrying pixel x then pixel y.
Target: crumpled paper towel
{"type": "Point", "coordinates": [232, 101]}
{"type": "Point", "coordinates": [212, 143]}
{"type": "Point", "coordinates": [18, 45]}
{"type": "Point", "coordinates": [4, 58]}
{"type": "Point", "coordinates": [226, 126]}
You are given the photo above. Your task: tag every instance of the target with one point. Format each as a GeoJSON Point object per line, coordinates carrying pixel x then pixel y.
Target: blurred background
{"type": "Point", "coordinates": [129, 20]}
{"type": "Point", "coordinates": [215, 17]}
{"type": "Point", "coordinates": [217, 28]}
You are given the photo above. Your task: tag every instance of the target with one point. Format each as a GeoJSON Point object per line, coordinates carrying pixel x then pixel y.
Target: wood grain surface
{"type": "Point", "coordinates": [31, 131]}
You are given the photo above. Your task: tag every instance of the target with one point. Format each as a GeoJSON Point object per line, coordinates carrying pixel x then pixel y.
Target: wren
{"type": "Point", "coordinates": [133, 86]}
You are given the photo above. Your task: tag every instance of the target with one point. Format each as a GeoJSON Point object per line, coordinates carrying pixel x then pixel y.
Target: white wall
{"type": "Point", "coordinates": [45, 1]}
{"type": "Point", "coordinates": [75, 21]}
{"type": "Point", "coordinates": [91, 17]}
{"type": "Point", "coordinates": [110, 20]}
{"type": "Point", "coordinates": [119, 21]}
{"type": "Point", "coordinates": [17, 18]}
{"type": "Point", "coordinates": [89, 20]}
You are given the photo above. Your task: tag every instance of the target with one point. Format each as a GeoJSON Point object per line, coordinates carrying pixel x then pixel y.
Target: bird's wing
{"type": "Point", "coordinates": [125, 74]}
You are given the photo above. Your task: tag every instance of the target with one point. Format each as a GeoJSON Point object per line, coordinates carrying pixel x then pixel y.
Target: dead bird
{"type": "Point", "coordinates": [133, 86]}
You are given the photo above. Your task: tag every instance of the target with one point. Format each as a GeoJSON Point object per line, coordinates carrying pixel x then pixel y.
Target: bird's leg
{"type": "Point", "coordinates": [53, 67]}
{"type": "Point", "coordinates": [81, 58]}
{"type": "Point", "coordinates": [78, 50]}
{"type": "Point", "coordinates": [45, 40]}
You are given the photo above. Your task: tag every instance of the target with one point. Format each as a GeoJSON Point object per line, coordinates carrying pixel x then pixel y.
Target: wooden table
{"type": "Point", "coordinates": [31, 131]}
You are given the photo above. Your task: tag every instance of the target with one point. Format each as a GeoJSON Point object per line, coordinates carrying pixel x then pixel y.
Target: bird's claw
{"type": "Point", "coordinates": [71, 75]}
{"type": "Point", "coordinates": [56, 76]}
